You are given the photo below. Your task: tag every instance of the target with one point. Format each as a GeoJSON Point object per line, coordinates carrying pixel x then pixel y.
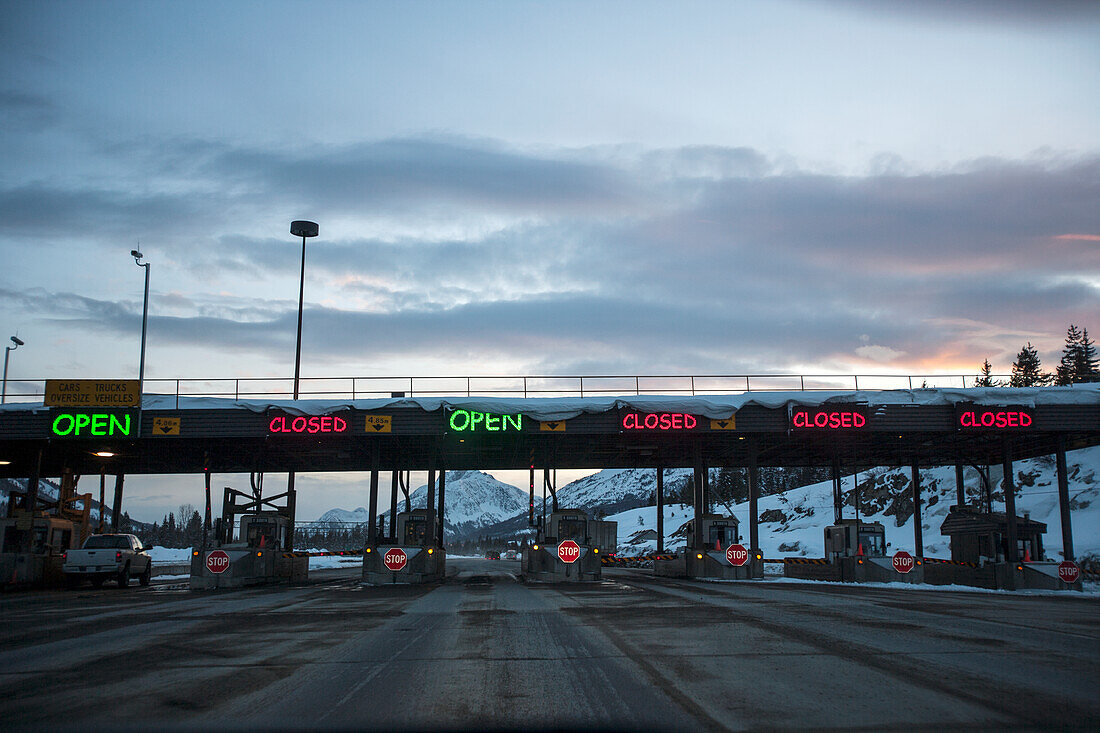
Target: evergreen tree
{"type": "Point", "coordinates": [1087, 366]}
{"type": "Point", "coordinates": [985, 379]}
{"type": "Point", "coordinates": [1066, 373]}
{"type": "Point", "coordinates": [1027, 369]}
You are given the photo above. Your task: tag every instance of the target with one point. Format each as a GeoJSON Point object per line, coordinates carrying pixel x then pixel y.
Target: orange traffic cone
{"type": "Point", "coordinates": [859, 551]}
{"type": "Point", "coordinates": [718, 544]}
{"type": "Point", "coordinates": [263, 541]}
{"type": "Point", "coordinates": [1027, 555]}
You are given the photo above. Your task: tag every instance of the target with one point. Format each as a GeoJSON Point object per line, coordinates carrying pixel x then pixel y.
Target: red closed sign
{"type": "Point", "coordinates": [903, 561]}
{"type": "Point", "coordinates": [217, 561]}
{"type": "Point", "coordinates": [737, 555]}
{"type": "Point", "coordinates": [395, 559]}
{"type": "Point", "coordinates": [568, 551]}
{"type": "Point", "coordinates": [1069, 572]}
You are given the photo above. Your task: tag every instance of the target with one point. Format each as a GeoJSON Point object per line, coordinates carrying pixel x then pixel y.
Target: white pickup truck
{"type": "Point", "coordinates": [108, 556]}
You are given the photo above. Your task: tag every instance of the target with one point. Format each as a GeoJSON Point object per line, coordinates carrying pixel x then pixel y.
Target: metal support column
{"type": "Point", "coordinates": [442, 503]}
{"type": "Point", "coordinates": [1063, 500]}
{"type": "Point", "coordinates": [116, 508]}
{"type": "Point", "coordinates": [707, 504]}
{"type": "Point", "coordinates": [103, 498]}
{"type": "Point", "coordinates": [531, 504]}
{"type": "Point", "coordinates": [918, 530]}
{"type": "Point", "coordinates": [393, 505]}
{"type": "Point", "coordinates": [660, 509]}
{"type": "Point", "coordinates": [838, 497]}
{"type": "Point", "coordinates": [754, 510]}
{"type": "Point", "coordinates": [372, 504]}
{"type": "Point", "coordinates": [960, 487]}
{"type": "Point", "coordinates": [697, 497]}
{"type": "Point", "coordinates": [1010, 503]}
{"type": "Point", "coordinates": [430, 504]}
{"type": "Point", "coordinates": [206, 511]}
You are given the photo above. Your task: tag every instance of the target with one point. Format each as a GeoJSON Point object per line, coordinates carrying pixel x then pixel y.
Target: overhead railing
{"type": "Point", "coordinates": [264, 388]}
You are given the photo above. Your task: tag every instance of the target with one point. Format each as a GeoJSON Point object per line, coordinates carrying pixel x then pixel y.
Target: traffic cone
{"type": "Point", "coordinates": [1027, 555]}
{"type": "Point", "coordinates": [263, 541]}
{"type": "Point", "coordinates": [859, 550]}
{"type": "Point", "coordinates": [718, 545]}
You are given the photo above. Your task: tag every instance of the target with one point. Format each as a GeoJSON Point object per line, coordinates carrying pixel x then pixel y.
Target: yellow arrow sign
{"type": "Point", "coordinates": [729, 424]}
{"type": "Point", "coordinates": [166, 426]}
{"type": "Point", "coordinates": [554, 426]}
{"type": "Point", "coordinates": [379, 424]}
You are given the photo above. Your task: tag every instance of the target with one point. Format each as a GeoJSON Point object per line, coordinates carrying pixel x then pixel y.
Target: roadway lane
{"type": "Point", "coordinates": [484, 652]}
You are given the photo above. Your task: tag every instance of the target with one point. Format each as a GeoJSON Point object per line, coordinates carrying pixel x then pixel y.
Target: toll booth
{"type": "Point", "coordinates": [411, 554]}
{"type": "Point", "coordinates": [253, 553]}
{"type": "Point", "coordinates": [715, 553]}
{"type": "Point", "coordinates": [31, 548]}
{"type": "Point", "coordinates": [979, 551]}
{"type": "Point", "coordinates": [38, 530]}
{"type": "Point", "coordinates": [568, 546]}
{"type": "Point", "coordinates": [855, 552]}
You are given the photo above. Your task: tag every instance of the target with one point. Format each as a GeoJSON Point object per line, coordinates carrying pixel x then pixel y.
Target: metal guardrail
{"type": "Point", "coordinates": [248, 388]}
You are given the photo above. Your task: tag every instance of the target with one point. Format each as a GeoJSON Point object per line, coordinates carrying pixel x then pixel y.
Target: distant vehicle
{"type": "Point", "coordinates": [510, 555]}
{"type": "Point", "coordinates": [492, 555]}
{"type": "Point", "coordinates": [103, 557]}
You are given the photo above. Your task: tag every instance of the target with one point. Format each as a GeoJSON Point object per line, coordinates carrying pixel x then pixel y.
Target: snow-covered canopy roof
{"type": "Point", "coordinates": [716, 407]}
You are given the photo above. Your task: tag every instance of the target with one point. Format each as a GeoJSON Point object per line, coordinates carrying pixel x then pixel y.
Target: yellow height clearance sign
{"type": "Point", "coordinates": [93, 393]}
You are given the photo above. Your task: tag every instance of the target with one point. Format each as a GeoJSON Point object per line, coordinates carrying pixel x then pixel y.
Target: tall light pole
{"type": "Point", "coordinates": [7, 350]}
{"type": "Point", "coordinates": [303, 229]}
{"type": "Point", "coordinates": [144, 321]}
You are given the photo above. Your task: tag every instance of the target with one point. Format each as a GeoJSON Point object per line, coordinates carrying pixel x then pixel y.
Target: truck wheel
{"type": "Point", "coordinates": [124, 577]}
{"type": "Point", "coordinates": [145, 577]}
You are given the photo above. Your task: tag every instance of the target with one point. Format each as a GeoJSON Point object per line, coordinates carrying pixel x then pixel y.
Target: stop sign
{"type": "Point", "coordinates": [395, 558]}
{"type": "Point", "coordinates": [568, 551]}
{"type": "Point", "coordinates": [737, 555]}
{"type": "Point", "coordinates": [903, 561]}
{"type": "Point", "coordinates": [217, 561]}
{"type": "Point", "coordinates": [1069, 572]}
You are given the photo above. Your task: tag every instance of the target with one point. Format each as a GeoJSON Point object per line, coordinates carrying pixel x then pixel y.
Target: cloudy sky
{"type": "Point", "coordinates": [547, 188]}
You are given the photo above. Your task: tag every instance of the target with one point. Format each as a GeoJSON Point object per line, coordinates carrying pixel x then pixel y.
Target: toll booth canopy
{"type": "Point", "coordinates": [978, 536]}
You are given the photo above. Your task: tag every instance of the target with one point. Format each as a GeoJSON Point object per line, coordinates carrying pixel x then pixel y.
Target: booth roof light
{"type": "Point", "coordinates": [4, 463]}
{"type": "Point", "coordinates": [105, 454]}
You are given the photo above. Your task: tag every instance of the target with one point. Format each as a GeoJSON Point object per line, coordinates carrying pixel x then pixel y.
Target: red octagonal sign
{"type": "Point", "coordinates": [737, 555]}
{"type": "Point", "coordinates": [1069, 572]}
{"type": "Point", "coordinates": [903, 561]}
{"type": "Point", "coordinates": [568, 551]}
{"type": "Point", "coordinates": [395, 558]}
{"type": "Point", "coordinates": [217, 561]}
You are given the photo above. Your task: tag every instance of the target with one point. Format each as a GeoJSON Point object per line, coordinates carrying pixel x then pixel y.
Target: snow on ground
{"type": "Point", "coordinates": [809, 509]}
{"type": "Point", "coordinates": [170, 555]}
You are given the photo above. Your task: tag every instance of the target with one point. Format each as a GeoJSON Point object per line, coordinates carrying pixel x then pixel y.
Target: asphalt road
{"type": "Point", "coordinates": [484, 652]}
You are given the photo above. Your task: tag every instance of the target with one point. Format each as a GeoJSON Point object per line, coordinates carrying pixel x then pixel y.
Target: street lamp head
{"type": "Point", "coordinates": [304, 228]}
{"type": "Point", "coordinates": [17, 341]}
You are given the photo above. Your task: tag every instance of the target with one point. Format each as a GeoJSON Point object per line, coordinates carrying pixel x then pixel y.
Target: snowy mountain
{"type": "Point", "coordinates": [474, 500]}
{"type": "Point", "coordinates": [793, 522]}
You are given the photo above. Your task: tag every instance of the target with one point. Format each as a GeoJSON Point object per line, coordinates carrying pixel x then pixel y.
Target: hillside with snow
{"type": "Point", "coordinates": [473, 501]}
{"type": "Point", "coordinates": [793, 522]}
